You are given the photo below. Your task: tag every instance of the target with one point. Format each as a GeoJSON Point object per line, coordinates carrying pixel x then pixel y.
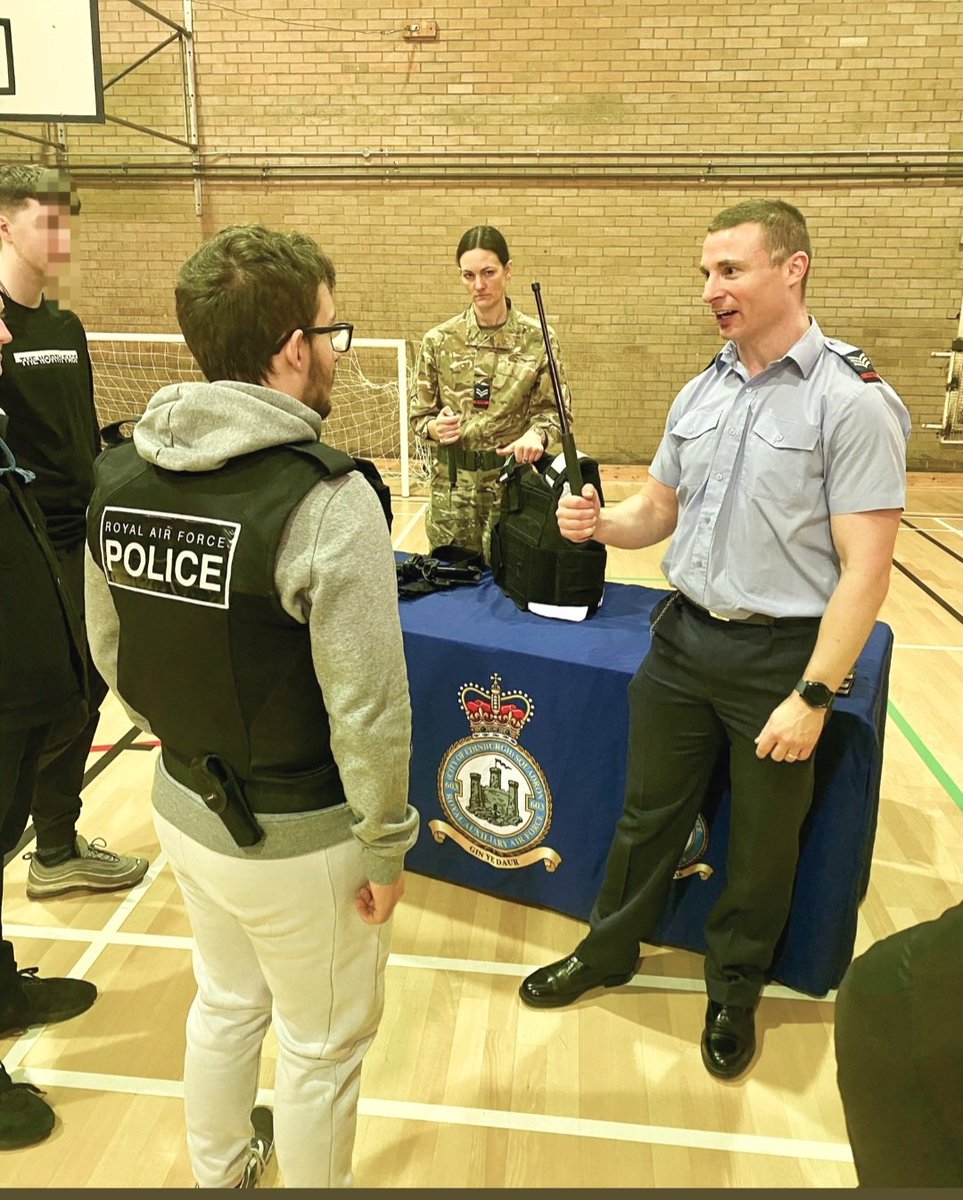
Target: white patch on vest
{"type": "Point", "coordinates": [45, 358]}
{"type": "Point", "coordinates": [171, 555]}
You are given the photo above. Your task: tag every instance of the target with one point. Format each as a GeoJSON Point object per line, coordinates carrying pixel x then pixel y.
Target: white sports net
{"type": "Point", "coordinates": [368, 401]}
{"type": "Point", "coordinates": [951, 431]}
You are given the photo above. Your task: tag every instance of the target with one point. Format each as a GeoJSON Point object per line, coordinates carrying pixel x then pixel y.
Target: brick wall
{"type": "Point", "coordinates": [617, 257]}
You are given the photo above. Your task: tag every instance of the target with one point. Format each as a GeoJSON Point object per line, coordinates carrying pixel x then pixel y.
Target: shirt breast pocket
{"type": "Point", "coordinates": [456, 377]}
{"type": "Point", "coordinates": [781, 458]}
{"type": "Point", "coordinates": [514, 376]}
{"type": "Point", "coordinates": [695, 446]}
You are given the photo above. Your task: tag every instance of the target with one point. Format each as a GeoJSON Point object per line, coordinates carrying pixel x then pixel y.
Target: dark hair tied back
{"type": "Point", "coordinates": [483, 237]}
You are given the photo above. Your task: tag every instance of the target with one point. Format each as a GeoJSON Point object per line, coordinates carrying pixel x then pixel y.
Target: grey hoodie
{"type": "Point", "coordinates": [335, 572]}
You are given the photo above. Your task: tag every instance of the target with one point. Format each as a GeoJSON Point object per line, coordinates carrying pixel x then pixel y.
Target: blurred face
{"type": "Point", "coordinates": [486, 281]}
{"type": "Point", "coordinates": [38, 234]}
{"type": "Point", "coordinates": [323, 359]}
{"type": "Point", "coordinates": [750, 297]}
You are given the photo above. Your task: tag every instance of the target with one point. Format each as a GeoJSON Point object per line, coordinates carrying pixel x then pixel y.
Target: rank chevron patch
{"type": "Point", "coordinates": [861, 365]}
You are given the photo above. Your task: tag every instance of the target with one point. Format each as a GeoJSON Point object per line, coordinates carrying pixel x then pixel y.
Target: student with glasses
{"type": "Point", "coordinates": [483, 392]}
{"type": "Point", "coordinates": [242, 600]}
{"type": "Point", "coordinates": [340, 334]}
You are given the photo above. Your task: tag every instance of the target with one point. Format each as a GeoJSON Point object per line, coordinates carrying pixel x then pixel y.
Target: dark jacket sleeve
{"type": "Point", "coordinates": [42, 671]}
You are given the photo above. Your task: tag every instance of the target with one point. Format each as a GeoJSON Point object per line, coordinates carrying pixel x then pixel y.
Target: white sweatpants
{"type": "Point", "coordinates": [277, 939]}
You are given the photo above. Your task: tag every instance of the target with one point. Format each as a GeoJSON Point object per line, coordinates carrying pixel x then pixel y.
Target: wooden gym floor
{"type": "Point", "coordinates": [464, 1087]}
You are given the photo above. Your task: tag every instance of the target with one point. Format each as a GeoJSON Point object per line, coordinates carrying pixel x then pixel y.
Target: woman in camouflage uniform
{"type": "Point", "coordinates": [483, 392]}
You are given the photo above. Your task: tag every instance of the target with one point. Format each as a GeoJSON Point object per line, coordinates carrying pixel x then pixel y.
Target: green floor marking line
{"type": "Point", "coordinates": [948, 784]}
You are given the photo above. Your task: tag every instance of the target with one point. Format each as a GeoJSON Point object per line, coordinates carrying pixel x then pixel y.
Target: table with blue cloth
{"type": "Point", "coordinates": [520, 726]}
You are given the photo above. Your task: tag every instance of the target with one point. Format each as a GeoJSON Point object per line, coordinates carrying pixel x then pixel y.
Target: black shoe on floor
{"type": "Point", "coordinates": [36, 1001]}
{"type": "Point", "coordinates": [562, 982]}
{"type": "Point", "coordinates": [728, 1040]}
{"type": "Point", "coordinates": [24, 1117]}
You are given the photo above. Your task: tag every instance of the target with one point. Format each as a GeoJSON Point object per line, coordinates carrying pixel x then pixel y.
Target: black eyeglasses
{"type": "Point", "coordinates": [341, 335]}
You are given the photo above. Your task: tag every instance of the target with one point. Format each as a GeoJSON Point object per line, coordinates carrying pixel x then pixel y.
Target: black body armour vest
{"type": "Point", "coordinates": [206, 652]}
{"type": "Point", "coordinates": [531, 561]}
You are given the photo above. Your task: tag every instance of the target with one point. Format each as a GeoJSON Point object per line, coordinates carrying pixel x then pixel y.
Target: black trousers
{"type": "Point", "coordinates": [706, 685]}
{"type": "Point", "coordinates": [56, 802]}
{"type": "Point", "coordinates": [899, 1057]}
{"type": "Point", "coordinates": [20, 752]}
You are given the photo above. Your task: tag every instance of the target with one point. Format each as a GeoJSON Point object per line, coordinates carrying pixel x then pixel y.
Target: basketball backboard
{"type": "Point", "coordinates": [50, 66]}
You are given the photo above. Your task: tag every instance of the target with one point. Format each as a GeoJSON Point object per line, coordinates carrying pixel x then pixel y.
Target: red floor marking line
{"type": "Point", "coordinates": [104, 749]}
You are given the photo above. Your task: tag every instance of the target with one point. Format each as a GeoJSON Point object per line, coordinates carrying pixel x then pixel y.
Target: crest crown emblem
{"type": "Point", "coordinates": [495, 713]}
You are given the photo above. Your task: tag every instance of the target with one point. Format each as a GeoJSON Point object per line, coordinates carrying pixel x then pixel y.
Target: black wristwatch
{"type": "Point", "coordinates": [816, 695]}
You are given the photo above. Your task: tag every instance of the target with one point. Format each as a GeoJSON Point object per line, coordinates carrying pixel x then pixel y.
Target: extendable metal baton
{"type": "Point", "coordinates": [573, 472]}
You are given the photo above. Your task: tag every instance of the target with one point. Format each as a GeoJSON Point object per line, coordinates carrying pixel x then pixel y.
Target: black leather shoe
{"type": "Point", "coordinates": [562, 982]}
{"type": "Point", "coordinates": [729, 1039]}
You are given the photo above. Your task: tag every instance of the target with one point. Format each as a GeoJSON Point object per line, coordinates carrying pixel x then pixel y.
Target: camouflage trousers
{"type": "Point", "coordinates": [463, 515]}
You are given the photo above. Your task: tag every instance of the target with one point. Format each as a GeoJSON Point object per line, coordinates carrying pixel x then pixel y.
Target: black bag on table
{"type": "Point", "coordinates": [531, 562]}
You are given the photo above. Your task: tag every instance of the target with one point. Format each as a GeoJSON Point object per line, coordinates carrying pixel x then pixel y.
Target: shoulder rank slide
{"type": "Point", "coordinates": [858, 361]}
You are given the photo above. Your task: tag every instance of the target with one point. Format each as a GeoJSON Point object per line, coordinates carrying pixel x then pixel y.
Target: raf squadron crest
{"type": "Point", "coordinates": [695, 849]}
{"type": "Point", "coordinates": [494, 794]}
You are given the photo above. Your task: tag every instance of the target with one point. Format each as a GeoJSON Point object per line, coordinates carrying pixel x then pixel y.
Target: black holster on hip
{"type": "Point", "coordinates": [221, 791]}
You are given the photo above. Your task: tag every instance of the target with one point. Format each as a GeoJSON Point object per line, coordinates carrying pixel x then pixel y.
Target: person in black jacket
{"type": "Point", "coordinates": [899, 1049]}
{"type": "Point", "coordinates": [46, 389]}
{"type": "Point", "coordinates": [42, 684]}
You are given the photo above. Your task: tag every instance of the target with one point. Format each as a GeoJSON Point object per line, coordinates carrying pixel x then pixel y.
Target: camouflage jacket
{"type": "Point", "coordinates": [511, 359]}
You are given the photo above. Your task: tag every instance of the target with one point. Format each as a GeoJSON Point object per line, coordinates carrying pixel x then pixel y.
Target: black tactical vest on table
{"type": "Point", "coordinates": [206, 652]}
{"type": "Point", "coordinates": [531, 562]}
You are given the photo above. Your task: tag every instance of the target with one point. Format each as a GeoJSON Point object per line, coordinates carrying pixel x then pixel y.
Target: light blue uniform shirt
{"type": "Point", "coordinates": [761, 464]}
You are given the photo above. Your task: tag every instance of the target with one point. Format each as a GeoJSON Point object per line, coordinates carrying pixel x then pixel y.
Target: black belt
{"type": "Point", "coordinates": [264, 796]}
{"type": "Point", "coordinates": [751, 619]}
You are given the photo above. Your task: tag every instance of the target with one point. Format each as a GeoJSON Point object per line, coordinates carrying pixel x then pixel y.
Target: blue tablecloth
{"type": "Point", "coordinates": [524, 806]}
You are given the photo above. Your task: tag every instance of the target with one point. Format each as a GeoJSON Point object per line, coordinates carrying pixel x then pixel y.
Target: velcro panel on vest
{"type": "Point", "coordinates": [531, 561]}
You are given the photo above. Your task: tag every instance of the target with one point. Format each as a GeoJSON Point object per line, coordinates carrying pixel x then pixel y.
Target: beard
{"type": "Point", "coordinates": [317, 394]}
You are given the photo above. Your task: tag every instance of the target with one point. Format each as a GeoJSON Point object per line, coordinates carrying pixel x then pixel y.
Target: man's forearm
{"type": "Point", "coordinates": [846, 626]}
{"type": "Point", "coordinates": [635, 523]}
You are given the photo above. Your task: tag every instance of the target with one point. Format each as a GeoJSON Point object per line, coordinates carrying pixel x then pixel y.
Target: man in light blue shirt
{"type": "Point", "coordinates": [781, 477]}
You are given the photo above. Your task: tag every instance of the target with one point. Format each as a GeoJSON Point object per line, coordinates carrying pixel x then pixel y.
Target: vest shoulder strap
{"type": "Point", "coordinates": [114, 466]}
{"type": "Point", "coordinates": [335, 462]}
{"type": "Point", "coordinates": [332, 462]}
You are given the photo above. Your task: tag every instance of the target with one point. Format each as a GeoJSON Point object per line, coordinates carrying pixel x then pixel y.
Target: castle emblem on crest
{"type": "Point", "coordinates": [494, 794]}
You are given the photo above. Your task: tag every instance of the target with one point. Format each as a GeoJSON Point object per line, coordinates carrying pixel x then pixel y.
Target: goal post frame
{"type": "Point", "coordinates": [401, 358]}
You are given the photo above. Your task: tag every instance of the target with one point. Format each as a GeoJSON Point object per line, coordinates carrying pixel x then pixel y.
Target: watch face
{"type": "Point", "coordinates": [816, 694]}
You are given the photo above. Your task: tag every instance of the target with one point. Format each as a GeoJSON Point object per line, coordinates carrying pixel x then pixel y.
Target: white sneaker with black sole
{"type": "Point", "coordinates": [261, 1151]}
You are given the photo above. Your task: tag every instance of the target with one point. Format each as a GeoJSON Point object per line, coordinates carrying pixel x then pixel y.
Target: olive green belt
{"type": "Point", "coordinates": [459, 459]}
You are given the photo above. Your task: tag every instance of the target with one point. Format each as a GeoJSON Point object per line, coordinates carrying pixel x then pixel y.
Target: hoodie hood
{"type": "Point", "coordinates": [201, 426]}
